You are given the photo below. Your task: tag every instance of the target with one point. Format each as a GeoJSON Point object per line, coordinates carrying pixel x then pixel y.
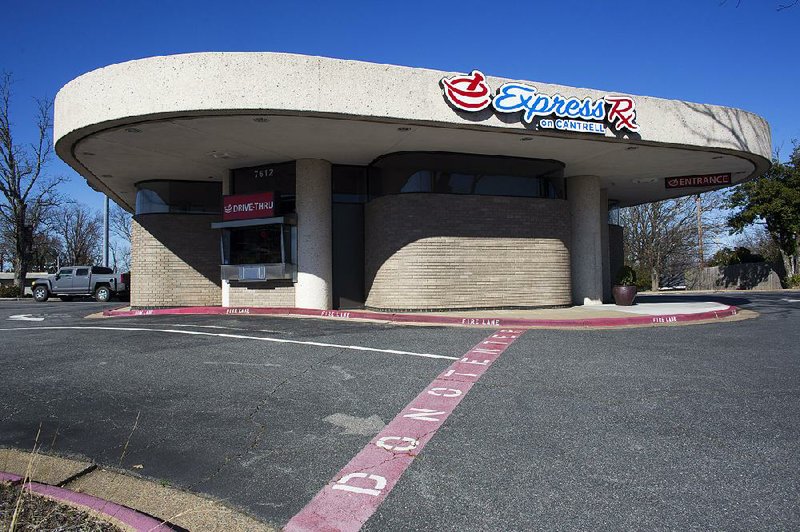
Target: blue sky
{"type": "Point", "coordinates": [696, 50]}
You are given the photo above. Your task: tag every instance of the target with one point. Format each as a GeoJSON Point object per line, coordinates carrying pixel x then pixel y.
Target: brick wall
{"type": "Point", "coordinates": [269, 294]}
{"type": "Point", "coordinates": [175, 261]}
{"type": "Point", "coordinates": [439, 251]}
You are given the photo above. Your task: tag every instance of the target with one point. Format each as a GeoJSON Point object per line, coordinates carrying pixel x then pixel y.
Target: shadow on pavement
{"type": "Point", "coordinates": [703, 298]}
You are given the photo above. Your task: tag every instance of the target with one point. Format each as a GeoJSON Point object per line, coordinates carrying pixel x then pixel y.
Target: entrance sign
{"type": "Point", "coordinates": [585, 115]}
{"type": "Point", "coordinates": [248, 206]}
{"type": "Point", "coordinates": [697, 181]}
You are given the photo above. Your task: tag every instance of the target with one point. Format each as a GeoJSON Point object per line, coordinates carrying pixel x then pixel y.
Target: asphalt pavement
{"type": "Point", "coordinates": [684, 427]}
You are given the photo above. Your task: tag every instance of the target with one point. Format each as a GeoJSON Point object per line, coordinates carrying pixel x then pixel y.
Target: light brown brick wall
{"type": "Point", "coordinates": [437, 251]}
{"type": "Point", "coordinates": [270, 294]}
{"type": "Point", "coordinates": [175, 261]}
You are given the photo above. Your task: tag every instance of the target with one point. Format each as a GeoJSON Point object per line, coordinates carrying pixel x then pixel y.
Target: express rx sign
{"type": "Point", "coordinates": [471, 92]}
{"type": "Point", "coordinates": [248, 206]}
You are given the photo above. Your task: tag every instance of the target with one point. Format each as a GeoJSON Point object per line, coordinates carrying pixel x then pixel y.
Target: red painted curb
{"type": "Point", "coordinates": [135, 520]}
{"type": "Point", "coordinates": [424, 318]}
{"type": "Point", "coordinates": [9, 477]}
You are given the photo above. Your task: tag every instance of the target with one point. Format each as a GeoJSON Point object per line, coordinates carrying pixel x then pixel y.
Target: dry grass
{"type": "Point", "coordinates": [21, 510]}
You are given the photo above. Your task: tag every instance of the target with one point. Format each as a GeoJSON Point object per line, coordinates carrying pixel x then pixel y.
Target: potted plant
{"type": "Point", "coordinates": [624, 289]}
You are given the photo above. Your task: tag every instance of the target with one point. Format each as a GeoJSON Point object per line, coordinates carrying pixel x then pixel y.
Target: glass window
{"type": "Point", "coordinates": [82, 272]}
{"type": "Point", "coordinates": [613, 212]}
{"type": "Point", "coordinates": [178, 197]}
{"type": "Point", "coordinates": [456, 173]}
{"type": "Point", "coordinates": [65, 272]}
{"type": "Point", "coordinates": [263, 244]}
{"type": "Point", "coordinates": [349, 184]}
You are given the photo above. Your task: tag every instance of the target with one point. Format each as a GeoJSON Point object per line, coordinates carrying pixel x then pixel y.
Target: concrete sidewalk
{"type": "Point", "coordinates": [664, 311]}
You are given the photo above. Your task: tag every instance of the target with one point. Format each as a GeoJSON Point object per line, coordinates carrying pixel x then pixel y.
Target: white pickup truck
{"type": "Point", "coordinates": [75, 281]}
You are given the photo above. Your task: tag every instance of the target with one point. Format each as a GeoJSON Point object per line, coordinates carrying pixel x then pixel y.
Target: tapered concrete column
{"type": "Point", "coordinates": [608, 275]}
{"type": "Point", "coordinates": [314, 233]}
{"type": "Point", "coordinates": [586, 253]}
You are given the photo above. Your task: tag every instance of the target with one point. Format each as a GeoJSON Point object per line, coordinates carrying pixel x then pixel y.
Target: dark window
{"type": "Point", "coordinates": [455, 173]}
{"type": "Point", "coordinates": [81, 272]}
{"type": "Point", "coordinates": [65, 272]}
{"type": "Point", "coordinates": [349, 184]}
{"type": "Point", "coordinates": [178, 197]}
{"type": "Point", "coordinates": [101, 270]}
{"type": "Point", "coordinates": [262, 244]}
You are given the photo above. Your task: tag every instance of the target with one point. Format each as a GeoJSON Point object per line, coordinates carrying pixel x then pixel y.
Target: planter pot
{"type": "Point", "coordinates": [624, 295]}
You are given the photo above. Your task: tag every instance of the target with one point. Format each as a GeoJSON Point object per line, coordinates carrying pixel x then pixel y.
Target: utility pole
{"type": "Point", "coordinates": [105, 233]}
{"type": "Point", "coordinates": [699, 204]}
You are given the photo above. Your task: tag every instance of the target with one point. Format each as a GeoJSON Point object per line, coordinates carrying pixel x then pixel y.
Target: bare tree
{"type": "Point", "coordinates": [120, 256]}
{"type": "Point", "coordinates": [81, 233]}
{"type": "Point", "coordinates": [46, 250]}
{"type": "Point", "coordinates": [27, 192]}
{"type": "Point", "coordinates": [664, 237]}
{"type": "Point", "coordinates": [6, 246]}
{"type": "Point", "coordinates": [120, 222]}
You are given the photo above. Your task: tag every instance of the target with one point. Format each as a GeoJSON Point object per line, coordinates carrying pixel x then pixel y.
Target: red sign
{"type": "Point", "coordinates": [248, 206]}
{"type": "Point", "coordinates": [698, 181]}
{"type": "Point", "coordinates": [468, 93]}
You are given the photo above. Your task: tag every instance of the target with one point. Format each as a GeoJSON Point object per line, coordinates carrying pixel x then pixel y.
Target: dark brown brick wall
{"type": "Point", "coordinates": [175, 261]}
{"type": "Point", "coordinates": [437, 251]}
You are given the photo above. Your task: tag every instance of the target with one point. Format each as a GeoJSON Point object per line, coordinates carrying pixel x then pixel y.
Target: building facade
{"type": "Point", "coordinates": [264, 179]}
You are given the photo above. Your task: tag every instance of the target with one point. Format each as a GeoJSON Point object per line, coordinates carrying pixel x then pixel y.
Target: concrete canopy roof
{"type": "Point", "coordinates": [196, 116]}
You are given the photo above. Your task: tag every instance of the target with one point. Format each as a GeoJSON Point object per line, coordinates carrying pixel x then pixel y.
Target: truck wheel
{"type": "Point", "coordinates": [102, 294]}
{"type": "Point", "coordinates": [40, 293]}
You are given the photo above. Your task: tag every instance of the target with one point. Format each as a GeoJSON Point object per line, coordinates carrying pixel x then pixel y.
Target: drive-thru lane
{"type": "Point", "coordinates": [676, 427]}
{"type": "Point", "coordinates": [259, 423]}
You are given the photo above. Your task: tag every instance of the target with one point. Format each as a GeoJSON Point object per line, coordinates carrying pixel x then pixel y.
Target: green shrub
{"type": "Point", "coordinates": [9, 291]}
{"type": "Point", "coordinates": [793, 281]}
{"type": "Point", "coordinates": [626, 276]}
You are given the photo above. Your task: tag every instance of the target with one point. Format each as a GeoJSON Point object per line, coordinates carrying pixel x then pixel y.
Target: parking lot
{"type": "Point", "coordinates": [669, 427]}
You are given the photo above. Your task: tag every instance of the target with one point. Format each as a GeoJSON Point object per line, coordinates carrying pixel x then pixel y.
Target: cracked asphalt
{"type": "Point", "coordinates": [692, 427]}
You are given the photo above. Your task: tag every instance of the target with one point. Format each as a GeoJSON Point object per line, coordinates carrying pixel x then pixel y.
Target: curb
{"type": "Point", "coordinates": [109, 510]}
{"type": "Point", "coordinates": [428, 319]}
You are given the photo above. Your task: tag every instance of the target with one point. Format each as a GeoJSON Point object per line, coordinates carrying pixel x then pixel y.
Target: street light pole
{"type": "Point", "coordinates": [105, 233]}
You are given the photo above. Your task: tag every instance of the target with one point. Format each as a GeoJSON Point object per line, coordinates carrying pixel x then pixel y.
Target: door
{"type": "Point", "coordinates": [63, 281]}
{"type": "Point", "coordinates": [80, 281]}
{"type": "Point", "coordinates": [348, 255]}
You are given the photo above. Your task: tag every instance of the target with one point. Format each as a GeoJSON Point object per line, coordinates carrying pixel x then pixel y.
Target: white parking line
{"type": "Point", "coordinates": [238, 337]}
